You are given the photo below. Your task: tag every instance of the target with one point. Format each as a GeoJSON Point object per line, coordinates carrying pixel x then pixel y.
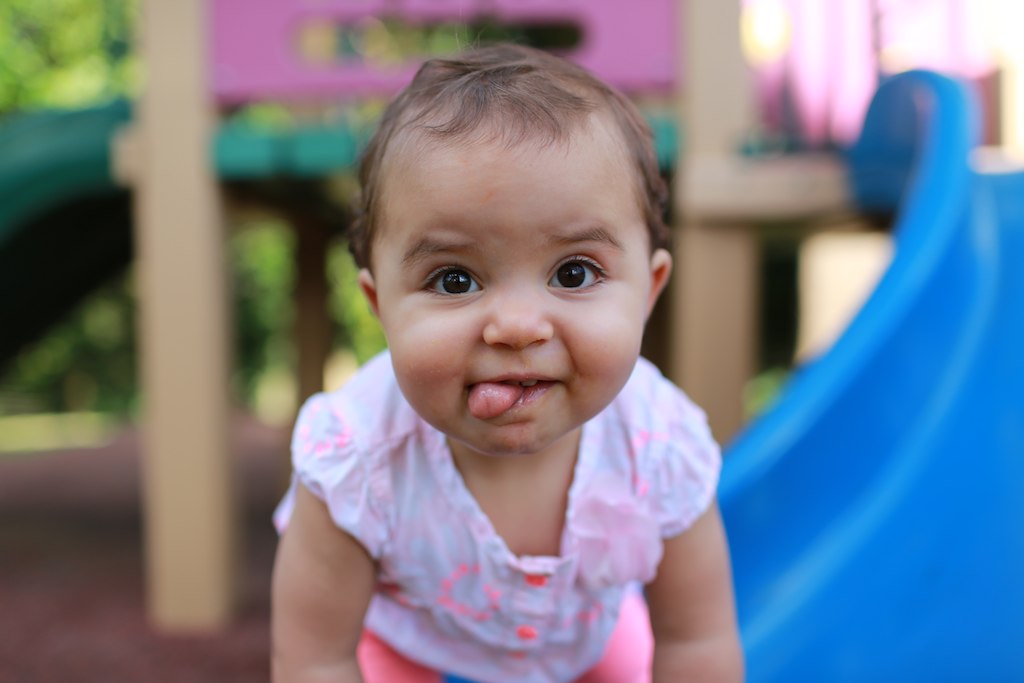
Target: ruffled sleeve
{"type": "Point", "coordinates": [327, 460]}
{"type": "Point", "coordinates": [681, 465]}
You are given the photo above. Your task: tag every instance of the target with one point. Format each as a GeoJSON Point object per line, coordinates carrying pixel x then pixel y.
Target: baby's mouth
{"type": "Point", "coordinates": [488, 400]}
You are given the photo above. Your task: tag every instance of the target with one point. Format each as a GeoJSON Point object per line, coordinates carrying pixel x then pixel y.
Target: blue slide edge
{"type": "Point", "coordinates": [873, 514]}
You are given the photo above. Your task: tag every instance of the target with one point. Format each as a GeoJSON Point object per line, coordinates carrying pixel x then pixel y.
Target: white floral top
{"type": "Point", "coordinates": [450, 594]}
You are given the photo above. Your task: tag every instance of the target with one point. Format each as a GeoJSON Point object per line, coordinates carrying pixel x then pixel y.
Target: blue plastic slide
{"type": "Point", "coordinates": [876, 513]}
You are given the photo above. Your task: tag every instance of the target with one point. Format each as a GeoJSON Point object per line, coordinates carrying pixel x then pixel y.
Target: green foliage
{"type": "Point", "coordinates": [72, 53]}
{"type": "Point", "coordinates": [86, 362]}
{"type": "Point", "coordinates": [65, 52]}
{"type": "Point", "coordinates": [355, 325]}
{"type": "Point", "coordinates": [761, 392]}
{"type": "Point", "coordinates": [263, 268]}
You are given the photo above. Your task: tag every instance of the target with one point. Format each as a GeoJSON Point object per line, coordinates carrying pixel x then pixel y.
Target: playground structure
{"type": "Point", "coordinates": [844, 504]}
{"type": "Point", "coordinates": [873, 513]}
{"type": "Point", "coordinates": [254, 55]}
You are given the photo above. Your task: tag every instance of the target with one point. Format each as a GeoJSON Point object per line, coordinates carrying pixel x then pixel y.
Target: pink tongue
{"type": "Point", "coordinates": [491, 399]}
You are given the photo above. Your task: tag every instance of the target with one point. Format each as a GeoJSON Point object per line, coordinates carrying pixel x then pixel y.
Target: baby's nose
{"type": "Point", "coordinates": [518, 322]}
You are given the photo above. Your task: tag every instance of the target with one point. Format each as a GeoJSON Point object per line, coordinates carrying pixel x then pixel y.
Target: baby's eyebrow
{"type": "Point", "coordinates": [428, 246]}
{"type": "Point", "coordinates": [593, 233]}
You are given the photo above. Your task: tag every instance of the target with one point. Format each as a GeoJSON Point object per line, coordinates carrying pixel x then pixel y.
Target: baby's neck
{"type": "Point", "coordinates": [513, 469]}
{"type": "Point", "coordinates": [524, 496]}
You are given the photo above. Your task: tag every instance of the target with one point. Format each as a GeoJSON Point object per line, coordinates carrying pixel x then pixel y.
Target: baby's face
{"type": "Point", "coordinates": [513, 286]}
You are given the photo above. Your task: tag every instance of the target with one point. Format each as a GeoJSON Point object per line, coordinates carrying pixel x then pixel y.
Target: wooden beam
{"type": "Point", "coordinates": [191, 520]}
{"type": "Point", "coordinates": [714, 291]}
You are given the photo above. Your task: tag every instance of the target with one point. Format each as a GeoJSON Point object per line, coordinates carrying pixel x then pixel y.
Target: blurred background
{"type": "Point", "coordinates": [79, 367]}
{"type": "Point", "coordinates": [75, 574]}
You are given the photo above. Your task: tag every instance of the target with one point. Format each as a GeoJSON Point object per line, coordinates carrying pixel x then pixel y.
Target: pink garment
{"type": "Point", "coordinates": [451, 595]}
{"type": "Point", "coordinates": [627, 657]}
{"type": "Point", "coordinates": [379, 663]}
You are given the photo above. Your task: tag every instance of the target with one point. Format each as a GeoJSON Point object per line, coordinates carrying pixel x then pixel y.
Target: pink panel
{"type": "Point", "coordinates": [809, 56]}
{"type": "Point", "coordinates": [632, 45]}
{"type": "Point", "coordinates": [945, 36]}
{"type": "Point", "coordinates": [855, 78]}
{"type": "Point", "coordinates": [831, 70]}
{"type": "Point", "coordinates": [438, 10]}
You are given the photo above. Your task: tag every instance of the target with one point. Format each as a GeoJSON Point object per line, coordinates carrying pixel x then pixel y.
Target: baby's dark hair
{"type": "Point", "coordinates": [512, 93]}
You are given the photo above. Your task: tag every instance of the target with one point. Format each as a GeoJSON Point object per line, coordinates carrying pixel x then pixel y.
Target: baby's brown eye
{"type": "Point", "coordinates": [574, 274]}
{"type": "Point", "coordinates": [455, 282]}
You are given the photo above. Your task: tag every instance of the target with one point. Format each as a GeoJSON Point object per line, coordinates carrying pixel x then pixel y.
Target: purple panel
{"type": "Point", "coordinates": [255, 55]}
{"type": "Point", "coordinates": [632, 45]}
{"type": "Point", "coordinates": [438, 10]}
{"type": "Point", "coordinates": [830, 71]}
{"type": "Point", "coordinates": [855, 77]}
{"type": "Point", "coordinates": [809, 54]}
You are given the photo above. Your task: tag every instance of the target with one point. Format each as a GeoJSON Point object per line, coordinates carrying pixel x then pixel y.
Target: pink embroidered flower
{"type": "Point", "coordinates": [618, 540]}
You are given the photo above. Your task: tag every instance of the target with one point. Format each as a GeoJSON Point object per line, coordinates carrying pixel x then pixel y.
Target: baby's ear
{"type": "Point", "coordinates": [369, 289]}
{"type": "Point", "coordinates": [661, 269]}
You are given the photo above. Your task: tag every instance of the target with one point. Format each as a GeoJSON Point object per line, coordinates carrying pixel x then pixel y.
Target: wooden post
{"type": "Point", "coordinates": [716, 264]}
{"type": "Point", "coordinates": [312, 322]}
{"type": "Point", "coordinates": [1011, 106]}
{"type": "Point", "coordinates": [716, 322]}
{"type": "Point", "coordinates": [191, 520]}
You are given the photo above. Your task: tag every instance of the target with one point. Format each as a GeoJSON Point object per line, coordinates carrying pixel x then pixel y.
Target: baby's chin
{"type": "Point", "coordinates": [512, 447]}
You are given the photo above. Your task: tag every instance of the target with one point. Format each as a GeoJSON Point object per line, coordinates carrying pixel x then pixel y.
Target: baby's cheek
{"type": "Point", "coordinates": [420, 371]}
{"type": "Point", "coordinates": [607, 349]}
{"type": "Point", "coordinates": [426, 355]}
{"type": "Point", "coordinates": [612, 336]}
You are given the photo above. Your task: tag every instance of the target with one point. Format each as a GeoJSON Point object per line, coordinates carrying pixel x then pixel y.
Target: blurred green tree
{"type": "Point", "coordinates": [72, 53]}
{"type": "Point", "coordinates": [65, 53]}
{"type": "Point", "coordinates": [77, 53]}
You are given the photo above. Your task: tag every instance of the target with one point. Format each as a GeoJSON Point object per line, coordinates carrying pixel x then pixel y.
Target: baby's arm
{"type": "Point", "coordinates": [692, 609]}
{"type": "Point", "coordinates": [323, 582]}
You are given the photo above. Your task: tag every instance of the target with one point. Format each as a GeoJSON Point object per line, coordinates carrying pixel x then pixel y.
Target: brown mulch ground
{"type": "Point", "coordinates": [71, 572]}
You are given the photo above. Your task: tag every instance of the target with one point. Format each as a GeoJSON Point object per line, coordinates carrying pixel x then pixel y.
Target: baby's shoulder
{"type": "Point", "coordinates": [650, 402]}
{"type": "Point", "coordinates": [653, 431]}
{"type": "Point", "coordinates": [367, 412]}
{"type": "Point", "coordinates": [343, 448]}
